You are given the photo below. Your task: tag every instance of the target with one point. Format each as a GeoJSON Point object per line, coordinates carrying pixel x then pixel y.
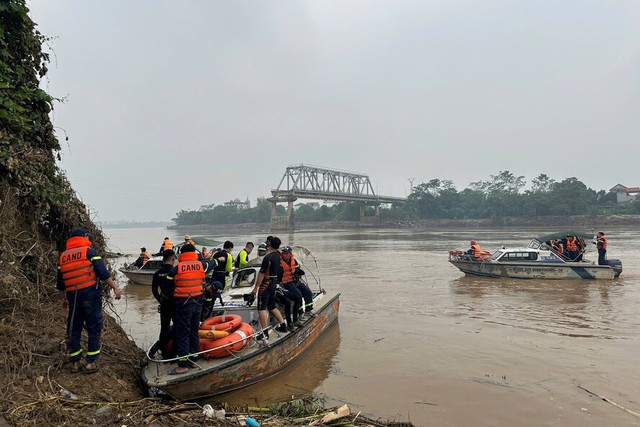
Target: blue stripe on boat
{"type": "Point", "coordinates": [583, 273]}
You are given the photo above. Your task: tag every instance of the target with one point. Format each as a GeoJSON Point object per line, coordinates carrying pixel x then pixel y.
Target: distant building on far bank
{"type": "Point", "coordinates": [239, 204]}
{"type": "Point", "coordinates": [625, 194]}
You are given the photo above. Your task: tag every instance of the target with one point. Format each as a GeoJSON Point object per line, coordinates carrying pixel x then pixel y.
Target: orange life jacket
{"type": "Point", "coordinates": [602, 242]}
{"type": "Point", "coordinates": [558, 247]}
{"type": "Point", "coordinates": [476, 250]}
{"type": "Point", "coordinates": [166, 245]}
{"type": "Point", "coordinates": [288, 268]}
{"type": "Point", "coordinates": [77, 269]}
{"type": "Point", "coordinates": [571, 245]}
{"type": "Point", "coordinates": [190, 276]}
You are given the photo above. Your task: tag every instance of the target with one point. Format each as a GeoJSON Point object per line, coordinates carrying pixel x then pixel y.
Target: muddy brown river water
{"type": "Point", "coordinates": [419, 341]}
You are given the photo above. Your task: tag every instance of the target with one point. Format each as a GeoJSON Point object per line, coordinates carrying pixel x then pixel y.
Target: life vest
{"type": "Point", "coordinates": [145, 255]}
{"type": "Point", "coordinates": [76, 268]}
{"type": "Point", "coordinates": [288, 268]}
{"type": "Point", "coordinates": [166, 245]}
{"type": "Point", "coordinates": [190, 276]}
{"type": "Point", "coordinates": [558, 247]}
{"type": "Point", "coordinates": [476, 250]}
{"type": "Point", "coordinates": [601, 242]}
{"type": "Point", "coordinates": [571, 245]}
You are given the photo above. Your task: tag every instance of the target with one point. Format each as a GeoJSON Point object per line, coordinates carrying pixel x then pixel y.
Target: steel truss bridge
{"type": "Point", "coordinates": [313, 182]}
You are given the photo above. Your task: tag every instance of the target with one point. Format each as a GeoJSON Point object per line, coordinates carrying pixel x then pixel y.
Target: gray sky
{"type": "Point", "coordinates": [172, 105]}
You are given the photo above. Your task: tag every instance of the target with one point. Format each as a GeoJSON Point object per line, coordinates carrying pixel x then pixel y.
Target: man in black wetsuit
{"type": "Point", "coordinates": [265, 289]}
{"type": "Point", "coordinates": [162, 292]}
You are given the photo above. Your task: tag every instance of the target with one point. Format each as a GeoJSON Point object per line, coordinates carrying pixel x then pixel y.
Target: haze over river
{"type": "Point", "coordinates": [419, 341]}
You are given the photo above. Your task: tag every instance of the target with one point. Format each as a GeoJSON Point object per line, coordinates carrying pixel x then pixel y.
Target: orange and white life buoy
{"type": "Point", "coordinates": [226, 322]}
{"type": "Point", "coordinates": [236, 341]}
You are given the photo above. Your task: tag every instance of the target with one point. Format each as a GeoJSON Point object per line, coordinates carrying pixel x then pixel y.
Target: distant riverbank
{"type": "Point", "coordinates": [577, 221]}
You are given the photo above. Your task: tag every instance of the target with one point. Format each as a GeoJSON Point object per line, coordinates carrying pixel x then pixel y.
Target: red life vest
{"type": "Point", "coordinates": [76, 268]}
{"type": "Point", "coordinates": [571, 245]}
{"type": "Point", "coordinates": [288, 268]}
{"type": "Point", "coordinates": [190, 276]}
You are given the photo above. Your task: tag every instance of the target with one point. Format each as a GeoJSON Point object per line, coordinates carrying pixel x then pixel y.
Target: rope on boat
{"type": "Point", "coordinates": [175, 359]}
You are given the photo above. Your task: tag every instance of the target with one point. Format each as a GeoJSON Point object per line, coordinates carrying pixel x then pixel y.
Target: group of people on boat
{"type": "Point", "coordinates": [188, 285]}
{"type": "Point", "coordinates": [572, 248]}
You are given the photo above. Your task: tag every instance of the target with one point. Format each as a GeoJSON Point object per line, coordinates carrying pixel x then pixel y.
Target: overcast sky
{"type": "Point", "coordinates": [172, 105]}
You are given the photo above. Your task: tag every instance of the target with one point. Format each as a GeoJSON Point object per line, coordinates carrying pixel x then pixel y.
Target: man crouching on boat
{"type": "Point", "coordinates": [188, 278]}
{"type": "Point", "coordinates": [265, 289]}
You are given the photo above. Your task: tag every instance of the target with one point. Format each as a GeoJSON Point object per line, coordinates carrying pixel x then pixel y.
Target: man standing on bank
{"type": "Point", "coordinates": [265, 289]}
{"type": "Point", "coordinates": [80, 275]}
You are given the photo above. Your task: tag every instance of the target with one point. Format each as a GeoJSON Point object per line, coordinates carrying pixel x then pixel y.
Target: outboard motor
{"type": "Point", "coordinates": [616, 264]}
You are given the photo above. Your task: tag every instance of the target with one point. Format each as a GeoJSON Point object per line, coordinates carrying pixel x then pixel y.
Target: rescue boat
{"type": "Point", "coordinates": [536, 261]}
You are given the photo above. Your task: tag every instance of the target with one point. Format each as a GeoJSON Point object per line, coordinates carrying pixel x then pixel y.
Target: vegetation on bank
{"type": "Point", "coordinates": [502, 195]}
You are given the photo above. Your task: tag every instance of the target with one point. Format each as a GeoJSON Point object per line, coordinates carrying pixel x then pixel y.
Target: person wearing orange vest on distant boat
{"type": "Point", "coordinates": [474, 249]}
{"type": "Point", "coordinates": [81, 272]}
{"type": "Point", "coordinates": [601, 243]}
{"type": "Point", "coordinates": [557, 247]}
{"type": "Point", "coordinates": [143, 257]}
{"type": "Point", "coordinates": [188, 240]}
{"type": "Point", "coordinates": [572, 248]}
{"type": "Point", "coordinates": [166, 245]}
{"type": "Point", "coordinates": [188, 290]}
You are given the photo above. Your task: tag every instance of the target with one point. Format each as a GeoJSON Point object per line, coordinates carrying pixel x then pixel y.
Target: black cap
{"type": "Point", "coordinates": [80, 232]}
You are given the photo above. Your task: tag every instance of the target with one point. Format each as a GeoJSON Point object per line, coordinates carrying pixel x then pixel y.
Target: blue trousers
{"type": "Point", "coordinates": [295, 296]}
{"type": "Point", "coordinates": [602, 256]}
{"type": "Point", "coordinates": [185, 326]}
{"type": "Point", "coordinates": [85, 313]}
{"type": "Point", "coordinates": [306, 294]}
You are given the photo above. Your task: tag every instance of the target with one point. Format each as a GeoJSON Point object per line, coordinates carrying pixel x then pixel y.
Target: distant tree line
{"type": "Point", "coordinates": [500, 196]}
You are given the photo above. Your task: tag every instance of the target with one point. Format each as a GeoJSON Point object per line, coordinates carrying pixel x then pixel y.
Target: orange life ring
{"type": "Point", "coordinates": [213, 334]}
{"type": "Point", "coordinates": [240, 338]}
{"type": "Point", "coordinates": [226, 322]}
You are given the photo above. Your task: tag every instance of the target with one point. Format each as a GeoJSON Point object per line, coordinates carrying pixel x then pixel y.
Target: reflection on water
{"type": "Point", "coordinates": [414, 329]}
{"type": "Point", "coordinates": [301, 378]}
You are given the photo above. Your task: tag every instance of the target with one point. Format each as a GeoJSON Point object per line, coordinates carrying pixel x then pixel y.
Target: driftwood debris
{"type": "Point", "coordinates": [617, 405]}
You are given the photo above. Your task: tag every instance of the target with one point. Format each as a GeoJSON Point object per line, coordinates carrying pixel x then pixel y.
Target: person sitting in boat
{"type": "Point", "coordinates": [142, 258]}
{"type": "Point", "coordinates": [212, 292]}
{"type": "Point", "coordinates": [571, 247]}
{"type": "Point", "coordinates": [188, 240]}
{"type": "Point", "coordinates": [289, 265]}
{"type": "Point", "coordinates": [557, 247]}
{"type": "Point", "coordinates": [474, 250]}
{"type": "Point", "coordinates": [166, 245]}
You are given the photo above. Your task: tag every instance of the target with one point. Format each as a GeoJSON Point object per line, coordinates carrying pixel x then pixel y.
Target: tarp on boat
{"type": "Point", "coordinates": [562, 234]}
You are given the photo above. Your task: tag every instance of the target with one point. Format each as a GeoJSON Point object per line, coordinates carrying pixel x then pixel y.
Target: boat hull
{"type": "Point", "coordinates": [247, 367]}
{"type": "Point", "coordinates": [538, 270]}
{"type": "Point", "coordinates": [140, 277]}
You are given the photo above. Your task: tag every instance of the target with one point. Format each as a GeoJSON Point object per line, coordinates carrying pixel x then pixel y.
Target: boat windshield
{"type": "Point", "coordinates": [534, 244]}
{"type": "Point", "coordinates": [496, 255]}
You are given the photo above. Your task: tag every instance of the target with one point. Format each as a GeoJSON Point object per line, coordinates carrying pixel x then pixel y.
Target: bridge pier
{"type": "Point", "coordinates": [282, 222]}
{"type": "Point", "coordinates": [369, 221]}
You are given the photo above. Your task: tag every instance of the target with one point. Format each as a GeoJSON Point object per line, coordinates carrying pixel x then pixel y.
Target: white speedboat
{"type": "Point", "coordinates": [536, 261]}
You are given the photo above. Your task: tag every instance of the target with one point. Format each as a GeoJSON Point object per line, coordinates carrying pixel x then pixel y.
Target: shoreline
{"type": "Point", "coordinates": [572, 222]}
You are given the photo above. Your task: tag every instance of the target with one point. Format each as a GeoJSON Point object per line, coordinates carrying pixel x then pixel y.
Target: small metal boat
{"type": "Point", "coordinates": [142, 275]}
{"type": "Point", "coordinates": [536, 261]}
{"type": "Point", "coordinates": [256, 360]}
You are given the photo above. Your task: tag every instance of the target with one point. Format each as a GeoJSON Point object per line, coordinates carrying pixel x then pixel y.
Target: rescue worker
{"type": "Point", "coordinates": [243, 256]}
{"type": "Point", "coordinates": [188, 280]}
{"type": "Point", "coordinates": [188, 240]}
{"type": "Point", "coordinates": [265, 289]}
{"type": "Point", "coordinates": [143, 257]}
{"type": "Point", "coordinates": [557, 247]}
{"type": "Point", "coordinates": [80, 275]}
{"type": "Point", "coordinates": [601, 244]}
{"type": "Point", "coordinates": [205, 252]}
{"type": "Point", "coordinates": [474, 250]}
{"type": "Point", "coordinates": [162, 290]}
{"type": "Point", "coordinates": [166, 245]}
{"type": "Point", "coordinates": [224, 267]}
{"type": "Point", "coordinates": [571, 248]}
{"type": "Point", "coordinates": [289, 265]}
{"type": "Point", "coordinates": [262, 251]}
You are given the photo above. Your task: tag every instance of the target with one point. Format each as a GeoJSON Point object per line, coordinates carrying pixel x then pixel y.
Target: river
{"type": "Point", "coordinates": [419, 341]}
